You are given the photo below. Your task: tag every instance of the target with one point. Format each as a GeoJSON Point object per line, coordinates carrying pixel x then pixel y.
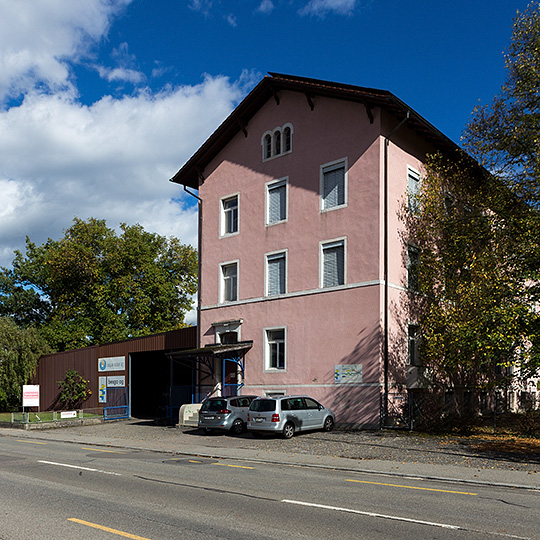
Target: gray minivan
{"type": "Point", "coordinates": [287, 414]}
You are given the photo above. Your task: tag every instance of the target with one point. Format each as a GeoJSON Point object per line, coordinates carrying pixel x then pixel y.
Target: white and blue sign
{"type": "Point", "coordinates": [112, 363]}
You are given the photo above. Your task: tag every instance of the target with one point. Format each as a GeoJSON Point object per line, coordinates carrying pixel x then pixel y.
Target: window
{"type": "Point", "coordinates": [276, 202]}
{"type": "Point", "coordinates": [277, 142]}
{"type": "Point", "coordinates": [227, 338]}
{"type": "Point", "coordinates": [287, 139]}
{"type": "Point", "coordinates": [229, 215]}
{"type": "Point", "coordinates": [413, 190]}
{"type": "Point", "coordinates": [413, 263]}
{"type": "Point", "coordinates": [413, 345]}
{"type": "Point", "coordinates": [333, 185]}
{"type": "Point", "coordinates": [333, 264]}
{"type": "Point", "coordinates": [276, 274]}
{"type": "Point", "coordinates": [227, 332]}
{"type": "Point", "coordinates": [267, 146]}
{"type": "Point", "coordinates": [275, 348]}
{"type": "Point", "coordinates": [229, 282]}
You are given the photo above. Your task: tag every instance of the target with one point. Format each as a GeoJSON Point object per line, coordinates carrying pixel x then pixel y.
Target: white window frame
{"type": "Point", "coordinates": [222, 287]}
{"type": "Point", "coordinates": [328, 167]}
{"type": "Point", "coordinates": [275, 184]}
{"type": "Point", "coordinates": [279, 130]}
{"type": "Point", "coordinates": [267, 344]}
{"type": "Point", "coordinates": [268, 257]}
{"type": "Point", "coordinates": [223, 215]}
{"type": "Point", "coordinates": [328, 244]}
{"type": "Point", "coordinates": [225, 327]}
{"type": "Point", "coordinates": [412, 195]}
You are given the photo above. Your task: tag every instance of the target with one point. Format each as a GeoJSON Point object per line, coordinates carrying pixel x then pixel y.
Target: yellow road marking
{"type": "Point", "coordinates": [108, 529]}
{"type": "Point", "coordinates": [30, 442]}
{"type": "Point", "coordinates": [235, 466]}
{"type": "Point", "coordinates": [412, 487]}
{"type": "Point", "coordinates": [101, 450]}
{"type": "Point", "coordinates": [194, 461]}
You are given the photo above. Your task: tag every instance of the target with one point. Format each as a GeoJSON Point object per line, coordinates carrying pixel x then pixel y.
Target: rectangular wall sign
{"type": "Point", "coordinates": [113, 363]}
{"type": "Point", "coordinates": [116, 382]}
{"type": "Point", "coordinates": [348, 374]}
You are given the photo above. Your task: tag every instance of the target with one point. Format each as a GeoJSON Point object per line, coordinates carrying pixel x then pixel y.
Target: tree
{"type": "Point", "coordinates": [473, 302]}
{"type": "Point", "coordinates": [74, 389]}
{"type": "Point", "coordinates": [20, 350]}
{"type": "Point", "coordinates": [93, 286]}
{"type": "Point", "coordinates": [478, 229]}
{"type": "Point", "coordinates": [505, 135]}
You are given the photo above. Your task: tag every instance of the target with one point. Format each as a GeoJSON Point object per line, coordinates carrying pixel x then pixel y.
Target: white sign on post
{"type": "Point", "coordinates": [31, 395]}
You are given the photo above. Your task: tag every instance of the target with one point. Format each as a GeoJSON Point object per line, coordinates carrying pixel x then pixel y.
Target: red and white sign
{"type": "Point", "coordinates": [30, 395]}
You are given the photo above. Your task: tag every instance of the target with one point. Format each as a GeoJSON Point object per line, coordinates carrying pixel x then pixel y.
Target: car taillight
{"type": "Point", "coordinates": [275, 418]}
{"type": "Point", "coordinates": [224, 411]}
{"type": "Point", "coordinates": [248, 417]}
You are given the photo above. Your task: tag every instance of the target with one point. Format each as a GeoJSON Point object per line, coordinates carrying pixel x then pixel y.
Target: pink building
{"type": "Point", "coordinates": [302, 267]}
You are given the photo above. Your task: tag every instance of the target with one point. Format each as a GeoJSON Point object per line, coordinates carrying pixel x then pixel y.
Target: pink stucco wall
{"type": "Point", "coordinates": [324, 327]}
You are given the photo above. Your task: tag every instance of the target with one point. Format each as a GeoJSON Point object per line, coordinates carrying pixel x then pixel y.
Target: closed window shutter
{"type": "Point", "coordinates": [334, 187]}
{"type": "Point", "coordinates": [276, 275]}
{"type": "Point", "coordinates": [333, 266]}
{"type": "Point", "coordinates": [277, 203]}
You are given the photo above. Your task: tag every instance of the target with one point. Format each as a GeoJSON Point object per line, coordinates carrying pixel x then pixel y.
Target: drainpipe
{"type": "Point", "coordinates": [386, 264]}
{"type": "Point", "coordinates": [199, 244]}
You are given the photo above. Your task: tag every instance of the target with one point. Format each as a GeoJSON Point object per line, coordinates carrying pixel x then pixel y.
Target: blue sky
{"type": "Point", "coordinates": [102, 101]}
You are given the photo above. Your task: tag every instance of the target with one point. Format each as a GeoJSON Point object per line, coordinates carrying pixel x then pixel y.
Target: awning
{"type": "Point", "coordinates": [229, 350]}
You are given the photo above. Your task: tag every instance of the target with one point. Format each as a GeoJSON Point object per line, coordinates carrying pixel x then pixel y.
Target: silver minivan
{"type": "Point", "coordinates": [225, 413]}
{"type": "Point", "coordinates": [288, 414]}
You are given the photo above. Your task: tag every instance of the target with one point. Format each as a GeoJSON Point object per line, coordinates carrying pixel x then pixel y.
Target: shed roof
{"type": "Point", "coordinates": [270, 86]}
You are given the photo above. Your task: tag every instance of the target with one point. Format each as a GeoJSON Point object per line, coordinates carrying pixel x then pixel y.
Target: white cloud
{"type": "Point", "coordinates": [38, 37]}
{"type": "Point", "coordinates": [110, 160]}
{"type": "Point", "coordinates": [266, 6]}
{"type": "Point", "coordinates": [121, 75]}
{"type": "Point", "coordinates": [320, 8]}
{"type": "Point", "coordinates": [231, 19]}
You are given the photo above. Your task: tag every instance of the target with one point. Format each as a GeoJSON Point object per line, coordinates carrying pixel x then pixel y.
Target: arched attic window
{"type": "Point", "coordinates": [277, 142]}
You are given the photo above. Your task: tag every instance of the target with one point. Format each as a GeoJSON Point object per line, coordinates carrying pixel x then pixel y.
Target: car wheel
{"type": "Point", "coordinates": [237, 427]}
{"type": "Point", "coordinates": [288, 430]}
{"type": "Point", "coordinates": [328, 424]}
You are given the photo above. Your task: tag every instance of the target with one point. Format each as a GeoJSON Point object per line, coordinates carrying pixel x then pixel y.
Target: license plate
{"type": "Point", "coordinates": [208, 417]}
{"type": "Point", "coordinates": [258, 419]}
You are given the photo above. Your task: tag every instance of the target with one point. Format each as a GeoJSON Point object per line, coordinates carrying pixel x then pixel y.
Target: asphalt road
{"type": "Point", "coordinates": [52, 489]}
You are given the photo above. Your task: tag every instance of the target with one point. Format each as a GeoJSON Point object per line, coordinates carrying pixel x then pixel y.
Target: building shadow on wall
{"type": "Point", "coordinates": [357, 403]}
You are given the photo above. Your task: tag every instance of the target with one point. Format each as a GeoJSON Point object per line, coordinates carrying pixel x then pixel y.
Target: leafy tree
{"type": "Point", "coordinates": [479, 234]}
{"type": "Point", "coordinates": [505, 135]}
{"type": "Point", "coordinates": [74, 389]}
{"type": "Point", "coordinates": [93, 286]}
{"type": "Point", "coordinates": [20, 349]}
{"type": "Point", "coordinates": [474, 301]}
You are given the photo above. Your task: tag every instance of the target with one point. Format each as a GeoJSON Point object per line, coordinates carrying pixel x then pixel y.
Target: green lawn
{"type": "Point", "coordinates": [48, 416]}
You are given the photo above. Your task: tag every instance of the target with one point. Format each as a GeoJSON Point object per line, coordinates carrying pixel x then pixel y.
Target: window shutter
{"type": "Point", "coordinates": [334, 187]}
{"type": "Point", "coordinates": [276, 275]}
{"type": "Point", "coordinates": [277, 203]}
{"type": "Point", "coordinates": [333, 266]}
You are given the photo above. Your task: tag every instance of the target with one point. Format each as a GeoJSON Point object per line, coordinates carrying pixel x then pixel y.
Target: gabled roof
{"type": "Point", "coordinates": [270, 86]}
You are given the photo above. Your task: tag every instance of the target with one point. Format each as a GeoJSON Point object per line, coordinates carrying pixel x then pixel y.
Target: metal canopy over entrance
{"type": "Point", "coordinates": [216, 368]}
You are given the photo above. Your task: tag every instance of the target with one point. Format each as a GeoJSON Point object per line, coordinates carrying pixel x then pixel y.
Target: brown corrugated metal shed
{"type": "Point", "coordinates": [52, 367]}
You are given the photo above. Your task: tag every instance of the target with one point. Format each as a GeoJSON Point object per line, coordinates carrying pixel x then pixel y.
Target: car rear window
{"type": "Point", "coordinates": [214, 405]}
{"type": "Point", "coordinates": [263, 405]}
